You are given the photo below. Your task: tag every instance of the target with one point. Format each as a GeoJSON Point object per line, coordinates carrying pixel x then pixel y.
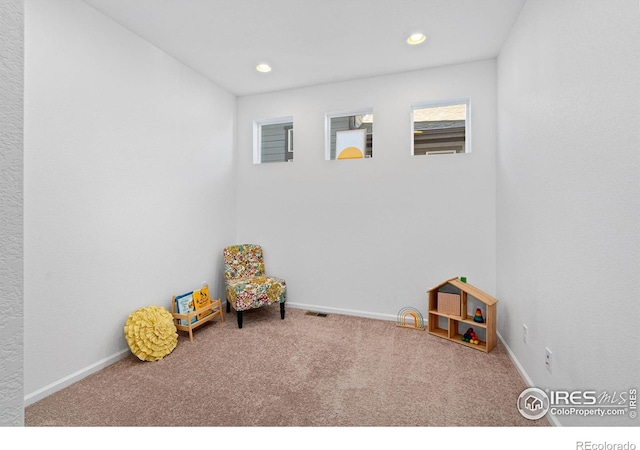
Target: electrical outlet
{"type": "Point", "coordinates": [547, 358]}
{"type": "Point", "coordinates": [525, 333]}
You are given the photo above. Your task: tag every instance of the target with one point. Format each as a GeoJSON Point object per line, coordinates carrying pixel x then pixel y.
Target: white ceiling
{"type": "Point", "coordinates": [309, 42]}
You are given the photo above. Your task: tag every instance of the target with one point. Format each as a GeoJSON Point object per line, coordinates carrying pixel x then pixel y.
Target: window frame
{"type": "Point", "coordinates": [347, 113]}
{"type": "Point", "coordinates": [257, 136]}
{"type": "Point", "coordinates": [440, 103]}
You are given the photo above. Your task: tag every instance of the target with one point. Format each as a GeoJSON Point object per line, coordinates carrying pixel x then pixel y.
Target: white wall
{"type": "Point", "coordinates": [568, 205]}
{"type": "Point", "coordinates": [11, 208]}
{"type": "Point", "coordinates": [129, 187]}
{"type": "Point", "coordinates": [369, 237]}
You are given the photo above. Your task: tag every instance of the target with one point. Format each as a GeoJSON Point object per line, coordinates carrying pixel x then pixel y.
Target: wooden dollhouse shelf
{"type": "Point", "coordinates": [467, 294]}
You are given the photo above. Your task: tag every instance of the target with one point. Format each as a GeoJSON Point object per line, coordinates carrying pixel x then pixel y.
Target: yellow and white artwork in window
{"type": "Point", "coordinates": [350, 144]}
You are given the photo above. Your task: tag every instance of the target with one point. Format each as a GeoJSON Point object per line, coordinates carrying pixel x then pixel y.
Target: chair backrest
{"type": "Point", "coordinates": [242, 261]}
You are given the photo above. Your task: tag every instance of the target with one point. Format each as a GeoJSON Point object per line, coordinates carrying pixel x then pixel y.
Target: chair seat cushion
{"type": "Point", "coordinates": [254, 292]}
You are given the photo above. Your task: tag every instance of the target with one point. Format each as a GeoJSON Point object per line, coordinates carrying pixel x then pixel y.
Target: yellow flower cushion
{"type": "Point", "coordinates": [151, 333]}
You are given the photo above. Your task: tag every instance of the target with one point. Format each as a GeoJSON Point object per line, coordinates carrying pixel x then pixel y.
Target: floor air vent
{"type": "Point", "coordinates": [315, 313]}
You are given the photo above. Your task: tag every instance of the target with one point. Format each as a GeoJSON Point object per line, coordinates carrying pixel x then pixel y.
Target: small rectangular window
{"type": "Point", "coordinates": [273, 140]}
{"type": "Point", "coordinates": [440, 127]}
{"type": "Point", "coordinates": [349, 135]}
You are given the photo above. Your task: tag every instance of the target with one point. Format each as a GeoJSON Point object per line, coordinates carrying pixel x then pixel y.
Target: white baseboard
{"type": "Point", "coordinates": [346, 312]}
{"type": "Point", "coordinates": [525, 377]}
{"type": "Point", "coordinates": [73, 378]}
{"type": "Point", "coordinates": [523, 373]}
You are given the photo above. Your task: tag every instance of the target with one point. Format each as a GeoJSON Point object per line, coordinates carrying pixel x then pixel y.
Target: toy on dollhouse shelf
{"type": "Point", "coordinates": [470, 337]}
{"type": "Point", "coordinates": [478, 316]}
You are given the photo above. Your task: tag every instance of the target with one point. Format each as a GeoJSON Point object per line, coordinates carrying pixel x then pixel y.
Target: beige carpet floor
{"type": "Point", "coordinates": [304, 371]}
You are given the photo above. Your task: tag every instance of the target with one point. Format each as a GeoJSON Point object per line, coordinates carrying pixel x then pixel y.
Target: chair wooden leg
{"type": "Point", "coordinates": [282, 311]}
{"type": "Point", "coordinates": [239, 314]}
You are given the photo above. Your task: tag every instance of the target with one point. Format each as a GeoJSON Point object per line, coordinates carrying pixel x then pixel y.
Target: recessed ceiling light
{"type": "Point", "coordinates": [263, 68]}
{"type": "Point", "coordinates": [416, 38]}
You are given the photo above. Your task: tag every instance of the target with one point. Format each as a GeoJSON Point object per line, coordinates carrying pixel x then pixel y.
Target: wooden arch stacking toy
{"type": "Point", "coordinates": [417, 322]}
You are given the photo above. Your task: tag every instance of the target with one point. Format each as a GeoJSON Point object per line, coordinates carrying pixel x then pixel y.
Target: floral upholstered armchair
{"type": "Point", "coordinates": [247, 286]}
